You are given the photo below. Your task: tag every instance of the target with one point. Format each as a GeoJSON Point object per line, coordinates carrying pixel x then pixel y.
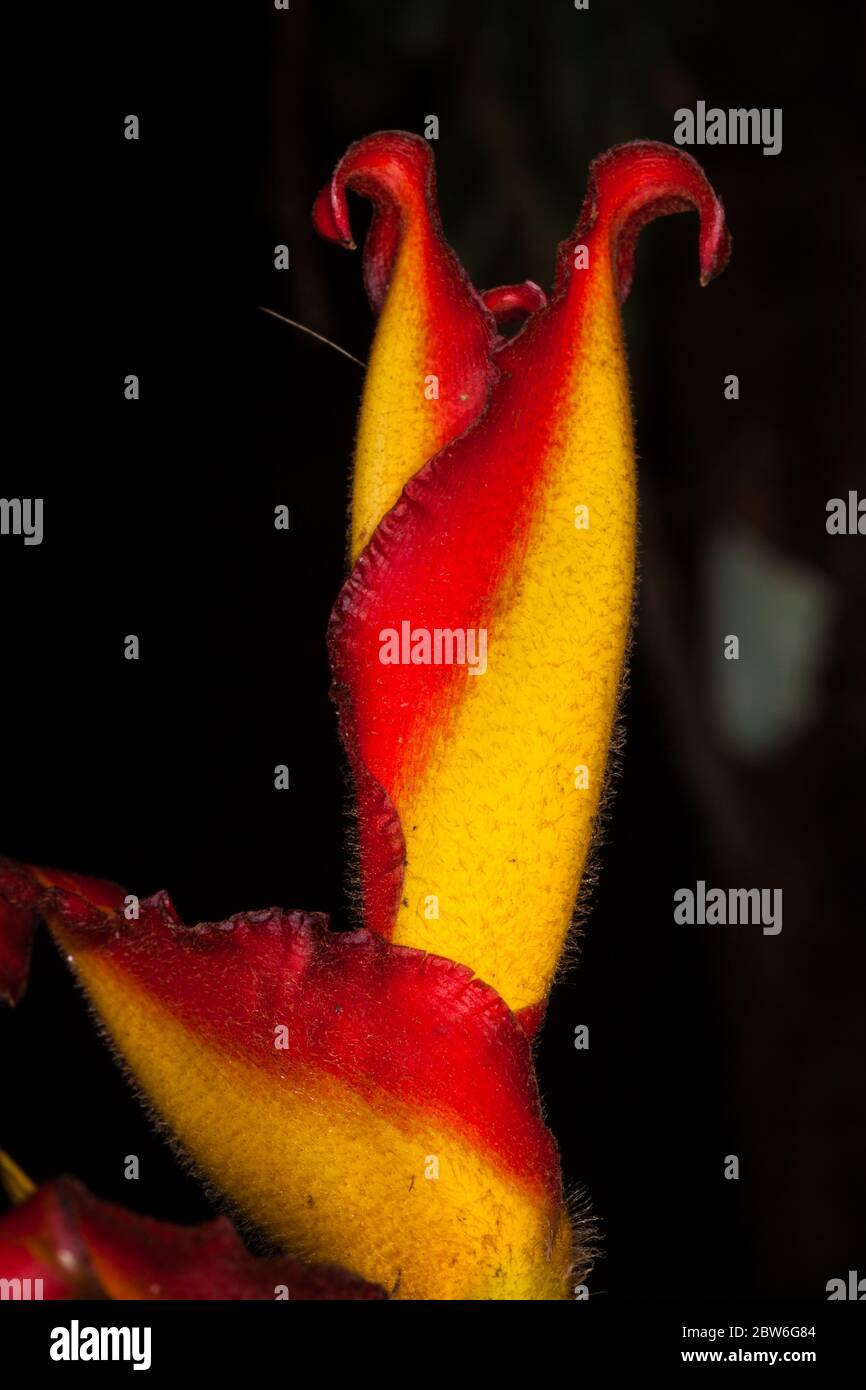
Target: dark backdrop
{"type": "Point", "coordinates": [152, 257]}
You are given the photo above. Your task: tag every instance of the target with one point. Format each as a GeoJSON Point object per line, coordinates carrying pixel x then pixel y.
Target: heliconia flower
{"type": "Point", "coordinates": [479, 643]}
{"type": "Point", "coordinates": [364, 1104]}
{"type": "Point", "coordinates": [368, 1099]}
{"type": "Point", "coordinates": [61, 1242]}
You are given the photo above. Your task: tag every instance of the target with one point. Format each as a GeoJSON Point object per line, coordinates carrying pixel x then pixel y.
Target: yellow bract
{"type": "Point", "coordinates": [361, 1181]}
{"type": "Point", "coordinates": [497, 825]}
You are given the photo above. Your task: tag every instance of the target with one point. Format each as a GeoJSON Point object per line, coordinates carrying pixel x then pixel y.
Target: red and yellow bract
{"type": "Point", "coordinates": [368, 1099]}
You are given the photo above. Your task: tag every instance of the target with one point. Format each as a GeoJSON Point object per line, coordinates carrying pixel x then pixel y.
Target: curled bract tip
{"type": "Point", "coordinates": [633, 184]}
{"type": "Point", "coordinates": [394, 169]}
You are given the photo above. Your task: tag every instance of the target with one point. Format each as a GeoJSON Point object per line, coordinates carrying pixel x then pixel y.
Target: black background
{"type": "Point", "coordinates": [152, 257]}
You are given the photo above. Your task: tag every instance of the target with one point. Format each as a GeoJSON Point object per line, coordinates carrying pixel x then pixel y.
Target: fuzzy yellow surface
{"type": "Point", "coordinates": [399, 428]}
{"type": "Point", "coordinates": [332, 1176]}
{"type": "Point", "coordinates": [495, 827]}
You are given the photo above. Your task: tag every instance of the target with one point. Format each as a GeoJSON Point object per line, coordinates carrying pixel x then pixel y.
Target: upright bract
{"type": "Point", "coordinates": [517, 539]}
{"type": "Point", "coordinates": [429, 370]}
